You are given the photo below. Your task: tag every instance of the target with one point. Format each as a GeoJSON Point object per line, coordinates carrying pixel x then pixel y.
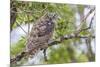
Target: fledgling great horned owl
{"type": "Point", "coordinates": [39, 36]}
{"type": "Point", "coordinates": [41, 33]}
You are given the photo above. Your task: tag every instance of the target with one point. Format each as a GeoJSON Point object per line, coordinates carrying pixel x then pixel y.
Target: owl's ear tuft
{"type": "Point", "coordinates": [51, 15]}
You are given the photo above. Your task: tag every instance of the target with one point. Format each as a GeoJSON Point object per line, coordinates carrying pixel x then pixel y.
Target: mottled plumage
{"type": "Point", "coordinates": [41, 33]}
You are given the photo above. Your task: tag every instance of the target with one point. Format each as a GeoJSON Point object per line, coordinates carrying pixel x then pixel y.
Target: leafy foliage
{"type": "Point", "coordinates": [16, 48]}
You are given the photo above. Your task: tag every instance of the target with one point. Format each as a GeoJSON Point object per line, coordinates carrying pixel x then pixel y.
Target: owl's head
{"type": "Point", "coordinates": [51, 16]}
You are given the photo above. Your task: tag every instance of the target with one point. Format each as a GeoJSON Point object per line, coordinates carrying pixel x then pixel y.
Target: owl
{"type": "Point", "coordinates": [39, 36]}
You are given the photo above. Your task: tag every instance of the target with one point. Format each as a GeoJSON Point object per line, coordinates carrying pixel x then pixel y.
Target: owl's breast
{"type": "Point", "coordinates": [45, 28]}
{"type": "Point", "coordinates": [40, 34]}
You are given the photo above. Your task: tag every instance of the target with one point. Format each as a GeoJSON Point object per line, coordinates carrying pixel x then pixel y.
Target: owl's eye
{"type": "Point", "coordinates": [50, 15]}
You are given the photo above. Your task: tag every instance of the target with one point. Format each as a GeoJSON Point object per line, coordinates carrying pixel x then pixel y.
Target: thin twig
{"type": "Point", "coordinates": [82, 21]}
{"type": "Point", "coordinates": [28, 25]}
{"type": "Point", "coordinates": [21, 27]}
{"type": "Point", "coordinates": [90, 25]}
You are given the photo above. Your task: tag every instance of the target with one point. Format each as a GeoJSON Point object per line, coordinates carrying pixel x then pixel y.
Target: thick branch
{"type": "Point", "coordinates": [12, 15]}
{"type": "Point", "coordinates": [67, 38]}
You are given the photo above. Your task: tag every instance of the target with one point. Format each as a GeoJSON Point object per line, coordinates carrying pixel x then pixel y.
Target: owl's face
{"type": "Point", "coordinates": [51, 16]}
{"type": "Point", "coordinates": [46, 24]}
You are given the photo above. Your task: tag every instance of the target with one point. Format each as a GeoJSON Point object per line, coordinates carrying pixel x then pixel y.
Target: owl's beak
{"type": "Point", "coordinates": [56, 16]}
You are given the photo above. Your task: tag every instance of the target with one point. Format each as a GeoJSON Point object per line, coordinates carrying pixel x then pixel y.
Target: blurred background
{"type": "Point", "coordinates": [74, 50]}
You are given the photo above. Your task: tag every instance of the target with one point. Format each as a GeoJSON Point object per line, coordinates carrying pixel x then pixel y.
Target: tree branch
{"type": "Point", "coordinates": [87, 27]}
{"type": "Point", "coordinates": [76, 33]}
{"type": "Point", "coordinates": [66, 37]}
{"type": "Point", "coordinates": [12, 15]}
{"type": "Point", "coordinates": [21, 27]}
{"type": "Point", "coordinates": [82, 21]}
